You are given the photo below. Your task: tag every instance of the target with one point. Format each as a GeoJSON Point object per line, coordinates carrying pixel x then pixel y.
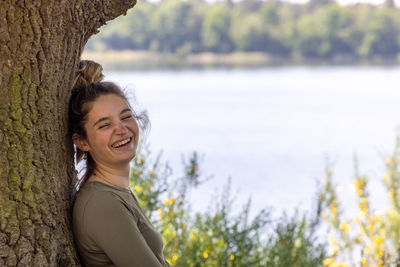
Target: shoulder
{"type": "Point", "coordinates": [94, 202]}
{"type": "Point", "coordinates": [92, 198]}
{"type": "Point", "coordinates": [99, 209]}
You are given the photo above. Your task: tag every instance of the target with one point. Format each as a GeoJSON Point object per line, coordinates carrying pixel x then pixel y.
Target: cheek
{"type": "Point", "coordinates": [135, 127]}
{"type": "Point", "coordinates": [98, 139]}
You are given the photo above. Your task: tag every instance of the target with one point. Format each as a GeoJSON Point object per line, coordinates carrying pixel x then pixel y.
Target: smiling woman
{"type": "Point", "coordinates": [111, 136]}
{"type": "Point", "coordinates": [109, 226]}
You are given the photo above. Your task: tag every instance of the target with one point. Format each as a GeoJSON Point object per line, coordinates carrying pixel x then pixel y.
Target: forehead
{"type": "Point", "coordinates": [107, 106]}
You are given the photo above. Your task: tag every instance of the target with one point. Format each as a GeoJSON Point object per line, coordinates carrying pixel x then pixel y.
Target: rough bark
{"type": "Point", "coordinates": [40, 46]}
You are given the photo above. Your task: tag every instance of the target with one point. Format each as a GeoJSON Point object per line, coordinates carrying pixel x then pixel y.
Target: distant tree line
{"type": "Point", "coordinates": [320, 29]}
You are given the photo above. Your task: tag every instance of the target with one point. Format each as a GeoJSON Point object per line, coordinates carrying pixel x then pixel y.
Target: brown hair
{"type": "Point", "coordinates": [88, 87]}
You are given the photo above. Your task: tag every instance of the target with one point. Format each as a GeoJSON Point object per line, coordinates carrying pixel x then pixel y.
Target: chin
{"type": "Point", "coordinates": [131, 156]}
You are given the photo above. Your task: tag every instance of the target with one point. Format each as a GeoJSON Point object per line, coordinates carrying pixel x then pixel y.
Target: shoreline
{"type": "Point", "coordinates": [146, 60]}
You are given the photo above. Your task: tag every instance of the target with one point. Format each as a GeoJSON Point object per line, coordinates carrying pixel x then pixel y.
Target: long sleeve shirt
{"type": "Point", "coordinates": [110, 229]}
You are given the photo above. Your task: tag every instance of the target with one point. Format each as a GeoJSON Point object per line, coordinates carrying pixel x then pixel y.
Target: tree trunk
{"type": "Point", "coordinates": [41, 42]}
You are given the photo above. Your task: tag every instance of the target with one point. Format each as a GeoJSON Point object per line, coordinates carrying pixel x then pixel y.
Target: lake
{"type": "Point", "coordinates": [272, 130]}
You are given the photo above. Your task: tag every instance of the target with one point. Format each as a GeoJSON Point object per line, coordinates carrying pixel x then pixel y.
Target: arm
{"type": "Point", "coordinates": [114, 229]}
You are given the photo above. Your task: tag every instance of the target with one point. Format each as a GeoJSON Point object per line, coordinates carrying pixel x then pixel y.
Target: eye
{"type": "Point", "coordinates": [104, 125]}
{"type": "Point", "coordinates": [127, 117]}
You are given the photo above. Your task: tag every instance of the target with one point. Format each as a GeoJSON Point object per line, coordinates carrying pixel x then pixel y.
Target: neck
{"type": "Point", "coordinates": [115, 177]}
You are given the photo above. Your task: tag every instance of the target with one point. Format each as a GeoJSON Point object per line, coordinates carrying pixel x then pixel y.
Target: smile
{"type": "Point", "coordinates": [121, 143]}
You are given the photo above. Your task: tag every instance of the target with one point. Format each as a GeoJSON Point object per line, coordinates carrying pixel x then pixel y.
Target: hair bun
{"type": "Point", "coordinates": [89, 72]}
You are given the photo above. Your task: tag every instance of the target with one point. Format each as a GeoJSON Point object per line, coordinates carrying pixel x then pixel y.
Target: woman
{"type": "Point", "coordinates": [109, 227]}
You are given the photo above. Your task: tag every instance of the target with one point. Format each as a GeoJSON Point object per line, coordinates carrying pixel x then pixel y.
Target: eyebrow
{"type": "Point", "coordinates": [107, 118]}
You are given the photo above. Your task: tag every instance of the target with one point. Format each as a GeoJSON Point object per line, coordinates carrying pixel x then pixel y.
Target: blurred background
{"type": "Point", "coordinates": [268, 93]}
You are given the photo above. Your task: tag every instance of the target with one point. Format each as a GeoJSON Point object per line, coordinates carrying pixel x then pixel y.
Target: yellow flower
{"type": "Point", "coordinates": [388, 161]}
{"type": "Point", "coordinates": [141, 160]}
{"type": "Point", "coordinates": [194, 234]}
{"type": "Point", "coordinates": [344, 226]}
{"type": "Point", "coordinates": [364, 201]}
{"type": "Point", "coordinates": [138, 189]}
{"type": "Point", "coordinates": [363, 261]}
{"type": "Point", "coordinates": [205, 255]}
{"type": "Point", "coordinates": [232, 257]}
{"type": "Point", "coordinates": [393, 213]}
{"type": "Point", "coordinates": [385, 177]}
{"type": "Point", "coordinates": [333, 210]}
{"type": "Point", "coordinates": [332, 240]}
{"type": "Point", "coordinates": [378, 240]}
{"type": "Point", "coordinates": [327, 261]}
{"type": "Point", "coordinates": [377, 218]}
{"type": "Point", "coordinates": [363, 205]}
{"type": "Point", "coordinates": [359, 186]}
{"type": "Point", "coordinates": [297, 243]}
{"type": "Point", "coordinates": [359, 192]}
{"type": "Point", "coordinates": [371, 228]}
{"type": "Point", "coordinates": [171, 201]}
{"type": "Point", "coordinates": [380, 252]}
{"type": "Point", "coordinates": [358, 183]}
{"type": "Point", "coordinates": [165, 202]}
{"type": "Point", "coordinates": [159, 210]}
{"type": "Point", "coordinates": [174, 258]}
{"type": "Point", "coordinates": [391, 192]}
{"type": "Point", "coordinates": [329, 171]}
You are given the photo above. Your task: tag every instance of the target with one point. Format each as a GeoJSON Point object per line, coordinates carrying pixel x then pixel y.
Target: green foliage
{"type": "Point", "coordinates": [317, 30]}
{"type": "Point", "coordinates": [176, 23]}
{"type": "Point", "coordinates": [382, 34]}
{"type": "Point", "coordinates": [294, 244]}
{"type": "Point", "coordinates": [248, 33]}
{"type": "Point", "coordinates": [224, 235]}
{"type": "Point", "coordinates": [326, 32]}
{"type": "Point", "coordinates": [215, 30]}
{"type": "Point", "coordinates": [126, 32]}
{"type": "Point", "coordinates": [268, 12]}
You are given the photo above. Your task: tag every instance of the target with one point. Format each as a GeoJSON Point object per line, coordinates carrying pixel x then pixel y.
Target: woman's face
{"type": "Point", "coordinates": [112, 131]}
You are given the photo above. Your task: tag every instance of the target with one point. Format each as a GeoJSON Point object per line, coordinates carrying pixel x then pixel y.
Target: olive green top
{"type": "Point", "coordinates": [110, 229]}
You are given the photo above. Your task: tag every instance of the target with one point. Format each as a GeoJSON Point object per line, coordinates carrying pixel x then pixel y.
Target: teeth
{"type": "Point", "coordinates": [121, 143]}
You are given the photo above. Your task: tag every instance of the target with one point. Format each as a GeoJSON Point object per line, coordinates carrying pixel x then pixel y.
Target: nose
{"type": "Point", "coordinates": [120, 128]}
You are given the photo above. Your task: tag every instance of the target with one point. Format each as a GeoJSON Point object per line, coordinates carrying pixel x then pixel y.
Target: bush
{"type": "Point", "coordinates": [371, 237]}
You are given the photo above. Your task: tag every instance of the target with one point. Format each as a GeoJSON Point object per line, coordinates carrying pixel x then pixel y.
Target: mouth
{"type": "Point", "coordinates": [122, 143]}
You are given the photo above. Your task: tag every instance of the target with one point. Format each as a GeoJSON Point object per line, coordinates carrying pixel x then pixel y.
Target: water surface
{"type": "Point", "coordinates": [271, 130]}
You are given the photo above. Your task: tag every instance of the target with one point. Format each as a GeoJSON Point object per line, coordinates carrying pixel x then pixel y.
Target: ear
{"type": "Point", "coordinates": [80, 142]}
